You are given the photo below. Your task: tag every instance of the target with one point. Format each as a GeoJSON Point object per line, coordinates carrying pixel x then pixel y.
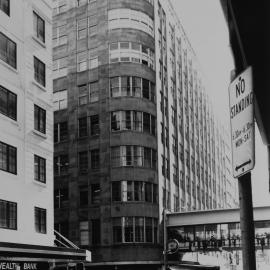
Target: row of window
{"type": "Point", "coordinates": [89, 23]}
{"type": "Point", "coordinates": [84, 126]}
{"type": "Point", "coordinates": [8, 217]}
{"type": "Point", "coordinates": [131, 155]}
{"type": "Point", "coordinates": [128, 18]}
{"type": "Point", "coordinates": [8, 162]}
{"type": "Point", "coordinates": [132, 52]}
{"type": "Point", "coordinates": [133, 120]}
{"type": "Point", "coordinates": [135, 230]}
{"type": "Point", "coordinates": [128, 191]}
{"type": "Point", "coordinates": [133, 87]}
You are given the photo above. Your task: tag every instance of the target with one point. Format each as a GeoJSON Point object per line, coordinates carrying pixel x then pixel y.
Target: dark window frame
{"type": "Point", "coordinates": [5, 9]}
{"type": "Point", "coordinates": [8, 110]}
{"type": "Point", "coordinates": [39, 71]}
{"type": "Point", "coordinates": [8, 158]}
{"type": "Point", "coordinates": [39, 119]}
{"type": "Point", "coordinates": [39, 32]}
{"type": "Point", "coordinates": [7, 52]}
{"type": "Point", "coordinates": [7, 205]}
{"type": "Point", "coordinates": [39, 162]}
{"type": "Point", "coordinates": [40, 220]}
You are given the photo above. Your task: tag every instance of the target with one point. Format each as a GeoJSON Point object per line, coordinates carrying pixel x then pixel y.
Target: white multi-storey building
{"type": "Point", "coordinates": [26, 122]}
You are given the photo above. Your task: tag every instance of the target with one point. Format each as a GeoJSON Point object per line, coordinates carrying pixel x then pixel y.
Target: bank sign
{"type": "Point", "coordinates": [242, 123]}
{"type": "Point", "coordinates": [23, 265]}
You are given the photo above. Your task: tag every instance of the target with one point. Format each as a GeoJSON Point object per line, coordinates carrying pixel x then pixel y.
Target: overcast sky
{"type": "Point", "coordinates": [207, 31]}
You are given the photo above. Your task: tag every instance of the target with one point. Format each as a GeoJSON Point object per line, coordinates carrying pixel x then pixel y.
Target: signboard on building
{"type": "Point", "coordinates": [23, 265]}
{"type": "Point", "coordinates": [242, 123]}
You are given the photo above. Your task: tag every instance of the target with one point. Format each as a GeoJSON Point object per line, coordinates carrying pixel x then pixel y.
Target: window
{"type": "Point", "coordinates": [60, 7]}
{"type": "Point", "coordinates": [134, 191]}
{"type": "Point", "coordinates": [40, 220]}
{"type": "Point", "coordinates": [83, 161]}
{"type": "Point", "coordinates": [39, 119]}
{"type": "Point", "coordinates": [40, 71]}
{"type": "Point", "coordinates": [82, 61]}
{"type": "Point", "coordinates": [60, 197]}
{"type": "Point", "coordinates": [134, 229]}
{"type": "Point", "coordinates": [81, 28]}
{"type": "Point", "coordinates": [5, 6]}
{"type": "Point", "coordinates": [95, 193]}
{"type": "Point", "coordinates": [94, 125]}
{"type": "Point", "coordinates": [39, 27]}
{"type": "Point", "coordinates": [60, 100]}
{"type": "Point", "coordinates": [8, 103]}
{"type": "Point", "coordinates": [116, 191]}
{"type": "Point", "coordinates": [95, 231]}
{"type": "Point", "coordinates": [8, 158]}
{"type": "Point", "coordinates": [93, 92]}
{"type": "Point", "coordinates": [93, 58]}
{"type": "Point", "coordinates": [117, 230]}
{"type": "Point", "coordinates": [61, 165]}
{"type": "Point", "coordinates": [128, 18]}
{"type": "Point", "coordinates": [92, 30]}
{"type": "Point", "coordinates": [40, 169]}
{"type": "Point", "coordinates": [59, 35]}
{"type": "Point", "coordinates": [83, 196]}
{"type": "Point", "coordinates": [95, 159]}
{"type": "Point", "coordinates": [84, 233]}
{"type": "Point", "coordinates": [133, 156]}
{"type": "Point", "coordinates": [82, 127]}
{"type": "Point", "coordinates": [8, 51]}
{"type": "Point", "coordinates": [8, 215]}
{"type": "Point", "coordinates": [60, 132]}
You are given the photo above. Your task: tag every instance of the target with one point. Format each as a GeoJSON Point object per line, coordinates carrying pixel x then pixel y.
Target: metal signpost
{"type": "Point", "coordinates": [243, 157]}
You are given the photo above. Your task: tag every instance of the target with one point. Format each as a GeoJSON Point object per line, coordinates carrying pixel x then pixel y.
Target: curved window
{"type": "Point", "coordinates": [130, 191]}
{"type": "Point", "coordinates": [133, 120]}
{"type": "Point", "coordinates": [128, 18]}
{"type": "Point", "coordinates": [133, 155]}
{"type": "Point", "coordinates": [134, 229]}
{"type": "Point", "coordinates": [132, 52]}
{"type": "Point", "coordinates": [133, 87]}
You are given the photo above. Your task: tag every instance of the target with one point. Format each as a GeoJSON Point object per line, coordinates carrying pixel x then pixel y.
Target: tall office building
{"type": "Point", "coordinates": [26, 123]}
{"type": "Point", "coordinates": [134, 128]}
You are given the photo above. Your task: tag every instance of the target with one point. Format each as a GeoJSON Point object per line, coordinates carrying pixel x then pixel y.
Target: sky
{"type": "Point", "coordinates": [207, 31]}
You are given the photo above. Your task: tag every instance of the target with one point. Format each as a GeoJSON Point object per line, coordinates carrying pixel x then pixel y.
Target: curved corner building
{"type": "Point", "coordinates": [134, 132]}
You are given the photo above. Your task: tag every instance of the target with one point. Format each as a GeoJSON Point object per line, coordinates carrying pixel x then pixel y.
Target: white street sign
{"type": "Point", "coordinates": [242, 123]}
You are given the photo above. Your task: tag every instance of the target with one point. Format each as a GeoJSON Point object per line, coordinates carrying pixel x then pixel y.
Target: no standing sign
{"type": "Point", "coordinates": [242, 123]}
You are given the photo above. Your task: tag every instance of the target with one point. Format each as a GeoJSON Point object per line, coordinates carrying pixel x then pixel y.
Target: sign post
{"type": "Point", "coordinates": [243, 157]}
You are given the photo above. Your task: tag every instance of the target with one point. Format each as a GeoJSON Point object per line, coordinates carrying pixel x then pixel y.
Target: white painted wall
{"type": "Point", "coordinates": [22, 188]}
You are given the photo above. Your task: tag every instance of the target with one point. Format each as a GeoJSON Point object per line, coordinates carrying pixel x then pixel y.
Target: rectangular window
{"type": "Point", "coordinates": [61, 197]}
{"type": "Point", "coordinates": [115, 121]}
{"type": "Point", "coordinates": [8, 158]}
{"type": "Point", "coordinates": [8, 103]}
{"type": "Point", "coordinates": [5, 6]}
{"type": "Point", "coordinates": [93, 92]}
{"type": "Point", "coordinates": [61, 165]}
{"type": "Point", "coordinates": [145, 89]}
{"type": "Point", "coordinates": [115, 156]}
{"type": "Point", "coordinates": [116, 191]}
{"type": "Point", "coordinates": [40, 220]}
{"type": "Point", "coordinates": [94, 125]}
{"type": "Point", "coordinates": [95, 193]}
{"type": "Point", "coordinates": [115, 87]}
{"type": "Point", "coordinates": [8, 215]}
{"type": "Point", "coordinates": [39, 119]}
{"type": "Point", "coordinates": [39, 71]}
{"type": "Point", "coordinates": [146, 122]}
{"type": "Point", "coordinates": [117, 230]}
{"type": "Point", "coordinates": [96, 231]}
{"type": "Point", "coordinates": [139, 229]}
{"type": "Point", "coordinates": [84, 233]}
{"type": "Point", "coordinates": [138, 191]}
{"type": "Point", "coordinates": [83, 196]}
{"type": "Point", "coordinates": [81, 61]}
{"type": "Point", "coordinates": [40, 169]}
{"type": "Point", "coordinates": [81, 28]}
{"type": "Point", "coordinates": [60, 132]}
{"type": "Point", "coordinates": [95, 159]}
{"type": "Point", "coordinates": [128, 230]}
{"type": "Point", "coordinates": [82, 127]}
{"type": "Point", "coordinates": [148, 230]}
{"type": "Point", "coordinates": [148, 192]}
{"type": "Point", "coordinates": [8, 51]}
{"type": "Point", "coordinates": [83, 161]}
{"type": "Point", "coordinates": [39, 27]}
